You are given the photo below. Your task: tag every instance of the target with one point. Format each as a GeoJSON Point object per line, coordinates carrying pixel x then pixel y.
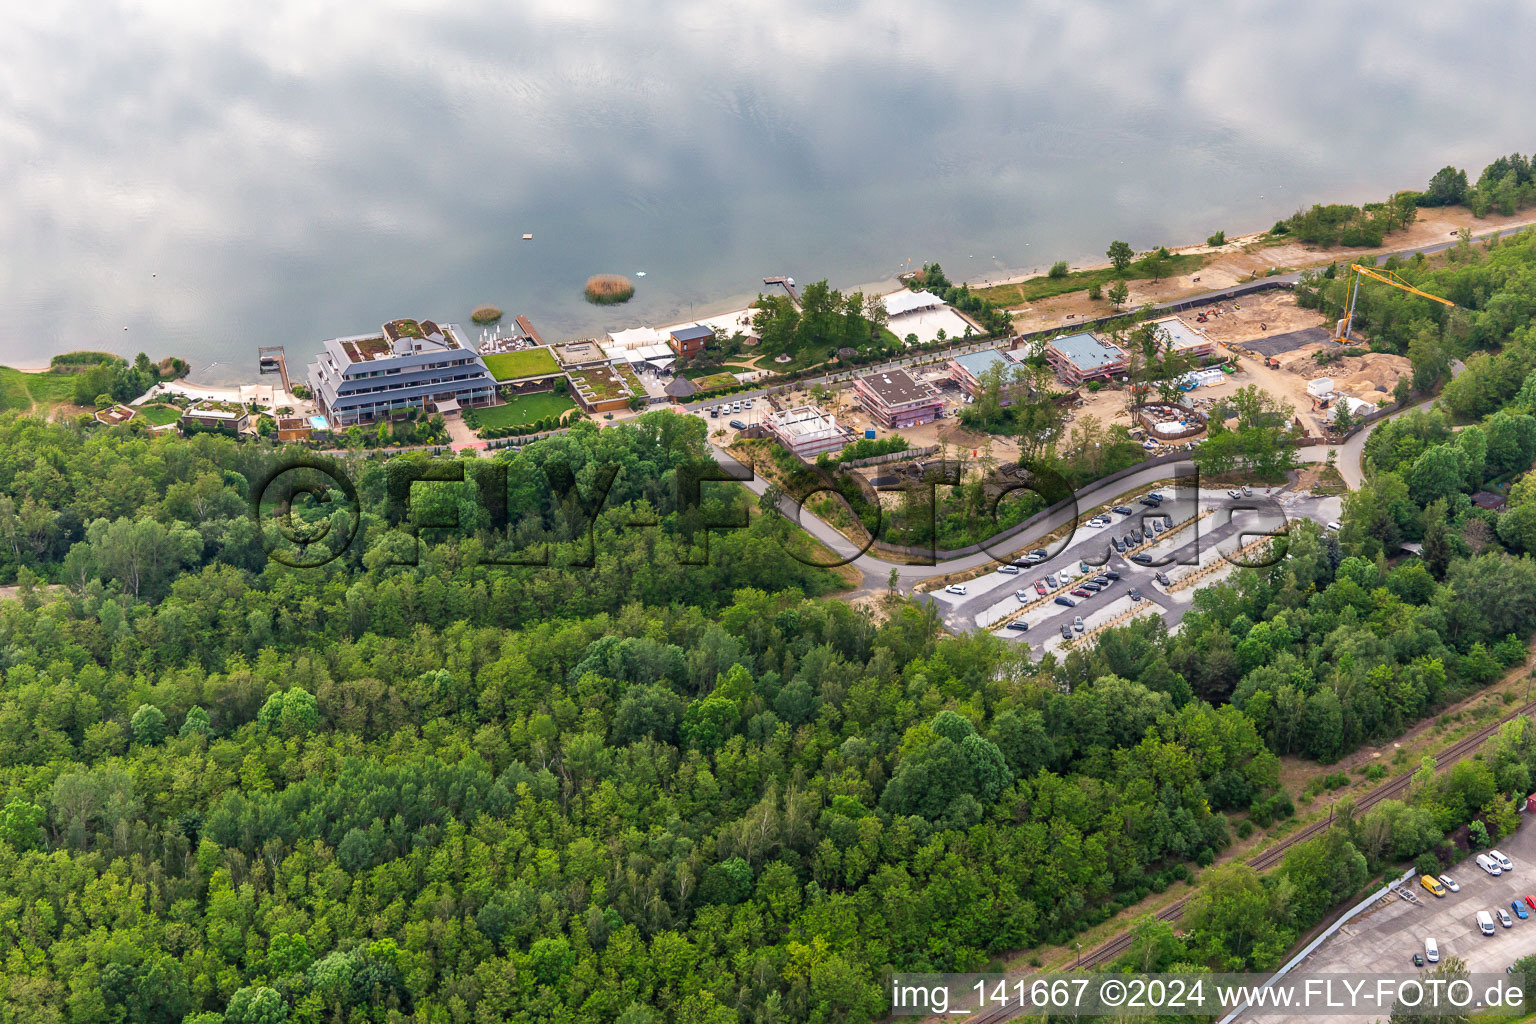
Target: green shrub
{"type": "Point", "coordinates": [1219, 238]}
{"type": "Point", "coordinates": [1095, 292]}
{"type": "Point", "coordinates": [1059, 268]}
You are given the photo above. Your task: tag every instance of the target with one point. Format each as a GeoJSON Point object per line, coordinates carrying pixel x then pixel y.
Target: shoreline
{"type": "Point", "coordinates": [1278, 255]}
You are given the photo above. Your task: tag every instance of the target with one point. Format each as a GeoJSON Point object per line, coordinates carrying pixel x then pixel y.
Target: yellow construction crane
{"type": "Point", "coordinates": [1385, 277]}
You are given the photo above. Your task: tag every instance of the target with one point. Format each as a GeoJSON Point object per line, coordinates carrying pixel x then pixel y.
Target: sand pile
{"type": "Point", "coordinates": [1370, 375]}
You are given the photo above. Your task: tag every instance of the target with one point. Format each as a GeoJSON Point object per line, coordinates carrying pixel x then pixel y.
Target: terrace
{"type": "Point", "coordinates": [604, 384]}
{"type": "Point", "coordinates": [397, 329]}
{"type": "Point", "coordinates": [362, 350]}
{"type": "Point", "coordinates": [516, 365]}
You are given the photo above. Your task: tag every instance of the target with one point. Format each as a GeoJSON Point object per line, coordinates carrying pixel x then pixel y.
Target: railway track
{"type": "Point", "coordinates": [1268, 858]}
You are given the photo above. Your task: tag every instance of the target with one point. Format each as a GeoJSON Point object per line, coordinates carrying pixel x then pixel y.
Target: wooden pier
{"type": "Point", "coordinates": [787, 285]}
{"type": "Point", "coordinates": [273, 359]}
{"type": "Point", "coordinates": [527, 328]}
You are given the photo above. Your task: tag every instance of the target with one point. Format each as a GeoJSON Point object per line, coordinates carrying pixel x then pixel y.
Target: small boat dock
{"type": "Point", "coordinates": [788, 284]}
{"type": "Point", "coordinates": [274, 359]}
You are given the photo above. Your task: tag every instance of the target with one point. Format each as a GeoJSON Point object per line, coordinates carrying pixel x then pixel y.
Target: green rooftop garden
{"type": "Point", "coordinates": [528, 362]}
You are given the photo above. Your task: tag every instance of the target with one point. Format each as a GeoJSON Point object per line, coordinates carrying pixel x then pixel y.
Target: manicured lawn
{"type": "Point", "coordinates": [160, 415]}
{"type": "Point", "coordinates": [715, 380]}
{"type": "Point", "coordinates": [529, 362]}
{"type": "Point", "coordinates": [519, 411]}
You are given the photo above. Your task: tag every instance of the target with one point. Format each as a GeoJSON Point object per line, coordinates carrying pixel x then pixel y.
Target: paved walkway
{"type": "Point", "coordinates": [460, 436]}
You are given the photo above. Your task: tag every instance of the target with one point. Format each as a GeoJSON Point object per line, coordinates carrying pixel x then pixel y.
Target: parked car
{"type": "Point", "coordinates": [1008, 570]}
{"type": "Point", "coordinates": [1033, 559]}
{"type": "Point", "coordinates": [1135, 594]}
{"type": "Point", "coordinates": [1485, 922]}
{"type": "Point", "coordinates": [714, 412]}
{"type": "Point", "coordinates": [1111, 574]}
{"type": "Point", "coordinates": [1066, 632]}
{"type": "Point", "coordinates": [1066, 602]}
{"type": "Point", "coordinates": [1530, 901]}
{"type": "Point", "coordinates": [1050, 581]}
{"type": "Point", "coordinates": [1136, 536]}
{"type": "Point", "coordinates": [1162, 578]}
{"type": "Point", "coordinates": [1077, 623]}
{"type": "Point", "coordinates": [1519, 909]}
{"type": "Point", "coordinates": [1020, 626]}
{"type": "Point", "coordinates": [738, 425]}
{"type": "Point", "coordinates": [1418, 959]}
{"type": "Point", "coordinates": [1334, 527]}
{"type": "Point", "coordinates": [1157, 526]}
{"type": "Point", "coordinates": [1092, 587]}
{"type": "Point", "coordinates": [1150, 503]}
{"type": "Point", "coordinates": [1120, 545]}
{"type": "Point", "coordinates": [1233, 493]}
{"type": "Point", "coordinates": [1040, 587]}
{"type": "Point", "coordinates": [1142, 558]}
{"type": "Point", "coordinates": [1094, 524]}
{"type": "Point", "coordinates": [1155, 495]}
{"type": "Point", "coordinates": [1041, 553]}
{"type": "Point", "coordinates": [955, 588]}
{"type": "Point", "coordinates": [1503, 861]}
{"type": "Point", "coordinates": [1080, 592]}
{"type": "Point", "coordinates": [1024, 596]}
{"type": "Point", "coordinates": [749, 403]}
{"type": "Point", "coordinates": [1084, 567]}
{"type": "Point", "coordinates": [1449, 883]}
{"type": "Point", "coordinates": [1432, 951]}
{"type": "Point", "coordinates": [1504, 918]}
{"type": "Point", "coordinates": [1432, 883]}
{"type": "Point", "coordinates": [1489, 865]}
{"type": "Point", "coordinates": [1124, 510]}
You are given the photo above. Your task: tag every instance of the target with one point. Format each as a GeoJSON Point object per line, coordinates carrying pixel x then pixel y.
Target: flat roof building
{"type": "Point", "coordinates": [967, 370]}
{"type": "Point", "coordinates": [605, 387]}
{"type": "Point", "coordinates": [576, 354]}
{"type": "Point", "coordinates": [209, 414]}
{"type": "Point", "coordinates": [410, 364]}
{"type": "Point", "coordinates": [1178, 338]}
{"type": "Point", "coordinates": [806, 431]}
{"type": "Point", "coordinates": [1084, 356]}
{"type": "Point", "coordinates": [895, 399]}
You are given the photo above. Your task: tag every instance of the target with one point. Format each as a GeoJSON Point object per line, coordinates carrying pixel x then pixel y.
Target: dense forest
{"type": "Point", "coordinates": [575, 739]}
{"type": "Point", "coordinates": [642, 791]}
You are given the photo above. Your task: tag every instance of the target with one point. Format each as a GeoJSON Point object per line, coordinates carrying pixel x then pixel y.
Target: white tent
{"type": "Point", "coordinates": [901, 302]}
{"type": "Point", "coordinates": [637, 337]}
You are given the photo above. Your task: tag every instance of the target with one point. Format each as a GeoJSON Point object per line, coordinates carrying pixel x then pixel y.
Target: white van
{"type": "Point", "coordinates": [1334, 527]}
{"type": "Point", "coordinates": [1489, 865]}
{"type": "Point", "coordinates": [1501, 860]}
{"type": "Point", "coordinates": [1485, 922]}
{"type": "Point", "coordinates": [1431, 951]}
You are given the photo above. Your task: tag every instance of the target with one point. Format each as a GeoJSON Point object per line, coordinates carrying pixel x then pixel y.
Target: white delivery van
{"type": "Point", "coordinates": [1501, 860]}
{"type": "Point", "coordinates": [1485, 922]}
{"type": "Point", "coordinates": [1489, 865]}
{"type": "Point", "coordinates": [1432, 951]}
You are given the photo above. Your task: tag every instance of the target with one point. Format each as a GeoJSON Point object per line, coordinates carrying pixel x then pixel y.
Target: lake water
{"type": "Point", "coordinates": [215, 177]}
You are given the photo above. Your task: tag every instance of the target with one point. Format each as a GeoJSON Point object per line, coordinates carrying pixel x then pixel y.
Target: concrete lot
{"type": "Point", "coordinates": [1384, 939]}
{"type": "Point", "coordinates": [990, 598]}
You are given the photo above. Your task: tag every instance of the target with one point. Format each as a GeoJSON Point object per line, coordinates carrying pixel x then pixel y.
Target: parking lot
{"type": "Point", "coordinates": [1384, 939]}
{"type": "Point", "coordinates": [991, 598]}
